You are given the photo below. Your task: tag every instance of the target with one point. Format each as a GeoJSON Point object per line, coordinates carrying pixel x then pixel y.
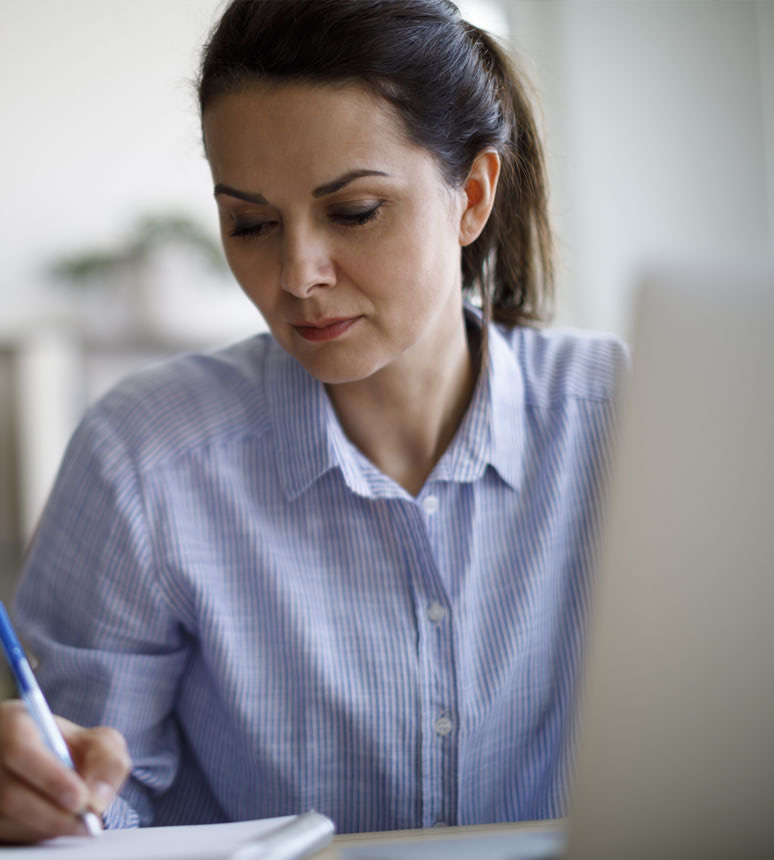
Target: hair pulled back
{"type": "Point", "coordinates": [456, 92]}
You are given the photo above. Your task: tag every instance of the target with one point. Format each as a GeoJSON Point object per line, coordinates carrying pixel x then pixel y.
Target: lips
{"type": "Point", "coordinates": [325, 329]}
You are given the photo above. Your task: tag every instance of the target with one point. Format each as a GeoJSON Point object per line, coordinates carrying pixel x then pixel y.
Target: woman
{"type": "Point", "coordinates": [345, 565]}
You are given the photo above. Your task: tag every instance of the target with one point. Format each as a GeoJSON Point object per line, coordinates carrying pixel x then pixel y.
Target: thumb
{"type": "Point", "coordinates": [101, 758]}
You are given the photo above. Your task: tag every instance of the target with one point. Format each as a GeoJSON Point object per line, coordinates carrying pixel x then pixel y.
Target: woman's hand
{"type": "Point", "coordinates": [39, 796]}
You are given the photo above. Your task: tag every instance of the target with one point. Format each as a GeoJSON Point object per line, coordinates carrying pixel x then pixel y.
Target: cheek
{"type": "Point", "coordinates": [429, 266]}
{"type": "Point", "coordinates": [400, 256]}
{"type": "Point", "coordinates": [252, 271]}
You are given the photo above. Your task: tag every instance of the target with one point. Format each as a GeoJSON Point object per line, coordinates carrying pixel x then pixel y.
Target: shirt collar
{"type": "Point", "coordinates": [492, 430]}
{"type": "Point", "coordinates": [308, 437]}
{"type": "Point", "coordinates": [506, 405]}
{"type": "Point", "coordinates": [311, 442]}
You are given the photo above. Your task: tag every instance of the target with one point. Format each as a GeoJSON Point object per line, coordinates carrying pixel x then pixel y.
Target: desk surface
{"type": "Point", "coordinates": [396, 837]}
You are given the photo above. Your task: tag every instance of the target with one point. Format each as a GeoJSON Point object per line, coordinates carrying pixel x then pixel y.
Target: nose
{"type": "Point", "coordinates": [306, 263]}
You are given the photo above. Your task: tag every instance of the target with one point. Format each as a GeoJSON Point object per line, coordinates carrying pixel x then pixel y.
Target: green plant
{"type": "Point", "coordinates": [149, 234]}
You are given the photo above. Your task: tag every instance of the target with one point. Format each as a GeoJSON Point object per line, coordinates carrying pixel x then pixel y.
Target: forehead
{"type": "Point", "coordinates": [308, 130]}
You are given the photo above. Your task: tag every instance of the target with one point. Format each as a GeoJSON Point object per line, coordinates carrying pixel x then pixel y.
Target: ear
{"type": "Point", "coordinates": [479, 188]}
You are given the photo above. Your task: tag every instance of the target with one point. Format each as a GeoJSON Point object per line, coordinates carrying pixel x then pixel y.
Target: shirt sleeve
{"type": "Point", "coordinates": [109, 644]}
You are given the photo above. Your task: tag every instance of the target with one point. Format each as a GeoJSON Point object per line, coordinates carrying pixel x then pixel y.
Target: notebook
{"type": "Point", "coordinates": [289, 838]}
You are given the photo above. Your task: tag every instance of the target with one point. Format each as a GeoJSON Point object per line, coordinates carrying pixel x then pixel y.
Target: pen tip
{"type": "Point", "coordinates": [92, 823]}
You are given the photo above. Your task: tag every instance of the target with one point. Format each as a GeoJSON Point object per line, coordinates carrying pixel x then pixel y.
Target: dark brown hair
{"type": "Point", "coordinates": [456, 91]}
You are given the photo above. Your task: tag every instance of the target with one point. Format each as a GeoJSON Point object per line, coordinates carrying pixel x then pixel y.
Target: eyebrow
{"type": "Point", "coordinates": [344, 179]}
{"type": "Point", "coordinates": [320, 191]}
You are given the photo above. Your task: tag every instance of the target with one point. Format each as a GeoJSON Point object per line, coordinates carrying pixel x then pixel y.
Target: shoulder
{"type": "Point", "coordinates": [185, 403]}
{"type": "Point", "coordinates": [561, 364]}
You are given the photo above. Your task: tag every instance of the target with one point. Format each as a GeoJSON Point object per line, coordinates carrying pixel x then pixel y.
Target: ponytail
{"type": "Point", "coordinates": [510, 265]}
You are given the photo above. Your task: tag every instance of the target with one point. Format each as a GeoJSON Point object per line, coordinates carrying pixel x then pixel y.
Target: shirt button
{"type": "Point", "coordinates": [430, 504]}
{"type": "Point", "coordinates": [443, 725]}
{"type": "Point", "coordinates": [436, 613]}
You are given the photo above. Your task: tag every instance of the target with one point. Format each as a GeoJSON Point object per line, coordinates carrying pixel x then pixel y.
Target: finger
{"type": "Point", "coordinates": [25, 758]}
{"type": "Point", "coordinates": [28, 816]}
{"type": "Point", "coordinates": [102, 759]}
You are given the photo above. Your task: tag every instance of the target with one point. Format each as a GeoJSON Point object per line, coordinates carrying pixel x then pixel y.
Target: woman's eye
{"type": "Point", "coordinates": [357, 217]}
{"type": "Point", "coordinates": [248, 230]}
{"type": "Point", "coordinates": [348, 217]}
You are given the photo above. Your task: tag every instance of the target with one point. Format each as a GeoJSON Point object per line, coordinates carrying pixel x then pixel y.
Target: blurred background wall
{"type": "Point", "coordinates": [659, 125]}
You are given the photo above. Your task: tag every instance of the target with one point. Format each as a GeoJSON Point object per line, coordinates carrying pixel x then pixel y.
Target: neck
{"type": "Point", "coordinates": [404, 421]}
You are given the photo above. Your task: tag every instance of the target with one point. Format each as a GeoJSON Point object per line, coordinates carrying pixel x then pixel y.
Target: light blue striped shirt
{"type": "Point", "coordinates": [275, 625]}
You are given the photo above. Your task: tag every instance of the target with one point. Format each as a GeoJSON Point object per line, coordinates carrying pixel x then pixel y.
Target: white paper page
{"type": "Point", "coordinates": [193, 842]}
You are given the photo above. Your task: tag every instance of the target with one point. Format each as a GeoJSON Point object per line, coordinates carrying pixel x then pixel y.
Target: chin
{"type": "Point", "coordinates": [333, 370]}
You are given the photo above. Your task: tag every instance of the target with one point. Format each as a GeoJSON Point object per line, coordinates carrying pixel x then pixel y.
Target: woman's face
{"type": "Point", "coordinates": [341, 231]}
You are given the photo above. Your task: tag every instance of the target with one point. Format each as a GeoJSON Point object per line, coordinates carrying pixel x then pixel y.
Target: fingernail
{"type": "Point", "coordinates": [70, 799]}
{"type": "Point", "coordinates": [78, 828]}
{"type": "Point", "coordinates": [102, 795]}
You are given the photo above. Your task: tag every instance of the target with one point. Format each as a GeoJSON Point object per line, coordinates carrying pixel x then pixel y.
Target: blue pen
{"type": "Point", "coordinates": [36, 704]}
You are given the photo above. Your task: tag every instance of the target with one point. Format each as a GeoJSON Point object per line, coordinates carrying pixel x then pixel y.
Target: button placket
{"type": "Point", "coordinates": [439, 746]}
